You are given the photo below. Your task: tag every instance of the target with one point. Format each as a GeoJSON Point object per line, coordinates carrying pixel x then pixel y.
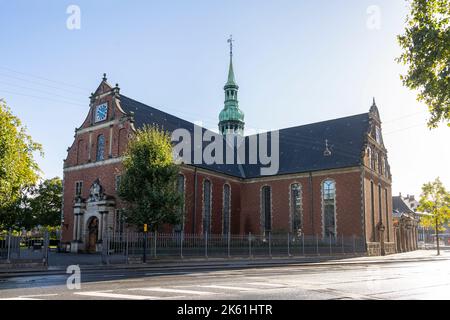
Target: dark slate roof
{"type": "Point", "coordinates": [144, 114]}
{"type": "Point", "coordinates": [399, 206]}
{"type": "Point", "coordinates": [301, 148]}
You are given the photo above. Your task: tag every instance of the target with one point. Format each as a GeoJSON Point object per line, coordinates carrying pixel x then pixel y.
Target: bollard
{"type": "Point", "coordinates": [343, 249]}
{"type": "Point", "coordinates": [354, 244]}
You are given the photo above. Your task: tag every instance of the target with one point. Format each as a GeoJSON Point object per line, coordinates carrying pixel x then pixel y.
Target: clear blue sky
{"type": "Point", "coordinates": [296, 62]}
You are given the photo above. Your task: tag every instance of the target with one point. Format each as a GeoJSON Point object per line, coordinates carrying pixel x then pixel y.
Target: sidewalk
{"type": "Point", "coordinates": [202, 263]}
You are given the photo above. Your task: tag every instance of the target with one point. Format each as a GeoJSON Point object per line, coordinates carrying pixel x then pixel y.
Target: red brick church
{"type": "Point", "coordinates": [333, 177]}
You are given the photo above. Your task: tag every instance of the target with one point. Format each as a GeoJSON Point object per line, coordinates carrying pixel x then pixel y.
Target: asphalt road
{"type": "Point", "coordinates": [399, 280]}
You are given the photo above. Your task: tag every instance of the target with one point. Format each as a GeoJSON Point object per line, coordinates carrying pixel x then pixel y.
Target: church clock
{"type": "Point", "coordinates": [101, 112]}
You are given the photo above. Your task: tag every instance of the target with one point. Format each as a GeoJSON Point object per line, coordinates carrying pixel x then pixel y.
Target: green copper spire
{"type": "Point", "coordinates": [231, 80]}
{"type": "Point", "coordinates": [231, 118]}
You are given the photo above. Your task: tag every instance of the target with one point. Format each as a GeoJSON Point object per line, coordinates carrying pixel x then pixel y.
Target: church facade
{"type": "Point", "coordinates": [333, 177]}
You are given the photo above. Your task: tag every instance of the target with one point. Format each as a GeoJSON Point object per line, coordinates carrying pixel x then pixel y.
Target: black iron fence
{"type": "Point", "coordinates": [24, 248]}
{"type": "Point", "coordinates": [132, 246]}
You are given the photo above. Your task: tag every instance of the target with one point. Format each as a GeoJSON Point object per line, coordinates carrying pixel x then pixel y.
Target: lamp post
{"type": "Point", "coordinates": [437, 237]}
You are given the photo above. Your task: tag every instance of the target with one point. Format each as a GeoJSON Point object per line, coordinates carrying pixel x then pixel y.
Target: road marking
{"type": "Point", "coordinates": [165, 273]}
{"type": "Point", "coordinates": [265, 284]}
{"type": "Point", "coordinates": [40, 295]}
{"type": "Point", "coordinates": [229, 288]}
{"type": "Point", "coordinates": [115, 295]}
{"type": "Point", "coordinates": [175, 291]}
{"type": "Point", "coordinates": [21, 298]}
{"type": "Point", "coordinates": [32, 297]}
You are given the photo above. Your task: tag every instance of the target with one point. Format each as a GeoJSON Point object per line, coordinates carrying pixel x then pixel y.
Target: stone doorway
{"type": "Point", "coordinates": [91, 243]}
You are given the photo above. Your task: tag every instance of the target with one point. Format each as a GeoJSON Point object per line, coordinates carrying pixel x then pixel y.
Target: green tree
{"type": "Point", "coordinates": [45, 203]}
{"type": "Point", "coordinates": [18, 169]}
{"type": "Point", "coordinates": [148, 184]}
{"type": "Point", "coordinates": [17, 215]}
{"type": "Point", "coordinates": [426, 52]}
{"type": "Point", "coordinates": [435, 201]}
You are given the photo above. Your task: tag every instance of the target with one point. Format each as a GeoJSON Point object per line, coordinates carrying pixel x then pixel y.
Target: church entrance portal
{"type": "Point", "coordinates": [92, 235]}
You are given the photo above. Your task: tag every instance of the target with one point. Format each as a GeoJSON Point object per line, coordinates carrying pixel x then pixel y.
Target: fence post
{"type": "Point", "coordinates": [126, 248]}
{"type": "Point", "coordinates": [105, 250]}
{"type": "Point", "coordinates": [229, 244]}
{"type": "Point", "coordinates": [144, 258]}
{"type": "Point", "coordinates": [181, 244]}
{"type": "Point", "coordinates": [270, 244]}
{"type": "Point", "coordinates": [303, 244]}
{"type": "Point", "coordinates": [154, 244]}
{"type": "Point", "coordinates": [331, 252]}
{"type": "Point", "coordinates": [206, 244]}
{"type": "Point", "coordinates": [354, 244]}
{"type": "Point", "coordinates": [317, 245]}
{"type": "Point", "coordinates": [289, 244]}
{"type": "Point", "coordinates": [8, 256]}
{"type": "Point", "coordinates": [250, 245]}
{"type": "Point", "coordinates": [46, 247]}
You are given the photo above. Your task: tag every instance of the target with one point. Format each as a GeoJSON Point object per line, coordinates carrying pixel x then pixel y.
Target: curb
{"type": "Point", "coordinates": [200, 265]}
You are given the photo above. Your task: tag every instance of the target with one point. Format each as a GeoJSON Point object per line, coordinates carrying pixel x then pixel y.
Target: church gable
{"type": "Point", "coordinates": [105, 130]}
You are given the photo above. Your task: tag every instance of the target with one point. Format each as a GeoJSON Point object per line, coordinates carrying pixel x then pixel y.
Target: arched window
{"type": "Point", "coordinates": [369, 155]}
{"type": "Point", "coordinates": [296, 207]}
{"type": "Point", "coordinates": [329, 208]}
{"type": "Point", "coordinates": [372, 210]}
{"type": "Point", "coordinates": [180, 188]}
{"type": "Point", "coordinates": [226, 209]}
{"type": "Point", "coordinates": [266, 214]}
{"type": "Point", "coordinates": [206, 207]}
{"type": "Point", "coordinates": [100, 148]}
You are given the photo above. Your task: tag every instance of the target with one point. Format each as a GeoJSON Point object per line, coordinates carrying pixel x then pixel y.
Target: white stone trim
{"type": "Point", "coordinates": [300, 175]}
{"type": "Point", "coordinates": [94, 164]}
{"type": "Point", "coordinates": [97, 126]}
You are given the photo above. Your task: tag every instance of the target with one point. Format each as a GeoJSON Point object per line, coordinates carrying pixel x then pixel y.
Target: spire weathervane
{"type": "Point", "coordinates": [230, 41]}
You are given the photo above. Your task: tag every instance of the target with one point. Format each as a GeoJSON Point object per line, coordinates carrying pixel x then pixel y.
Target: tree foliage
{"type": "Point", "coordinates": [435, 200]}
{"type": "Point", "coordinates": [18, 169]}
{"type": "Point", "coordinates": [148, 184]}
{"type": "Point", "coordinates": [426, 52]}
{"type": "Point", "coordinates": [37, 206]}
{"type": "Point", "coordinates": [45, 203]}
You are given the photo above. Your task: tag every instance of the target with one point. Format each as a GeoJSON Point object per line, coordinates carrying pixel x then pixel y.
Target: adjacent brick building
{"type": "Point", "coordinates": [333, 178]}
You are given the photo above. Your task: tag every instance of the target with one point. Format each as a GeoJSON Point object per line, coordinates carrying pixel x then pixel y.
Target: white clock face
{"type": "Point", "coordinates": [101, 112]}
